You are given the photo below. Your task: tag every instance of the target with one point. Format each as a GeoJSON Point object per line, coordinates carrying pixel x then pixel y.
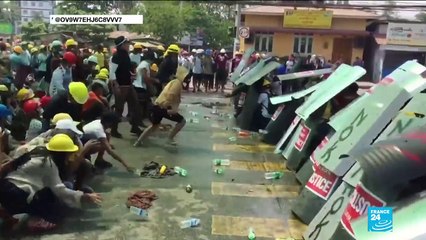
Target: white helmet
{"type": "Point", "coordinates": [92, 59]}
{"type": "Point", "coordinates": [222, 50]}
{"type": "Point", "coordinates": [194, 50]}
{"type": "Point", "coordinates": [199, 51]}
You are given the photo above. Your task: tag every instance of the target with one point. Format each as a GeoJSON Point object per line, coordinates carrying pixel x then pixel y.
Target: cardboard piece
{"type": "Point", "coordinates": [363, 125]}
{"type": "Point", "coordinates": [344, 76]}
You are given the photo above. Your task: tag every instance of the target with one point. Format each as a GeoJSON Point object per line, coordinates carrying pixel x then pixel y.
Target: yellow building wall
{"type": "Point", "coordinates": [322, 44]}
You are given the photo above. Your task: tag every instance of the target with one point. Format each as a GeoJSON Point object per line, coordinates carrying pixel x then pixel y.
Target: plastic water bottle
{"type": "Point", "coordinates": [218, 171]}
{"type": "Point", "coordinates": [251, 234]}
{"type": "Point", "coordinates": [221, 162]}
{"type": "Point", "coordinates": [139, 211]}
{"type": "Point", "coordinates": [273, 175]}
{"type": "Point", "coordinates": [182, 172]}
{"type": "Point", "coordinates": [193, 222]}
{"type": "Point", "coordinates": [232, 139]}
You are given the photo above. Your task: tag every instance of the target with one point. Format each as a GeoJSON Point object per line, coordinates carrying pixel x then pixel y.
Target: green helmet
{"type": "Point", "coordinates": [56, 43]}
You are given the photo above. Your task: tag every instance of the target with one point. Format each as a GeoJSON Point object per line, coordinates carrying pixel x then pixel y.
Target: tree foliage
{"type": "Point", "coordinates": [96, 32]}
{"type": "Point", "coordinates": [29, 30]}
{"type": "Point", "coordinates": [421, 16]}
{"type": "Point", "coordinates": [171, 20]}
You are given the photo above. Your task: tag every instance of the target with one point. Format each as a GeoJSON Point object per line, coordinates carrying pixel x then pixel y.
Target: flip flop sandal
{"type": "Point", "coordinates": [40, 225]}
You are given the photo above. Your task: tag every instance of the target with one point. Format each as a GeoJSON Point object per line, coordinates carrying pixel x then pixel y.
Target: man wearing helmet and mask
{"type": "Point", "coordinates": [62, 76]}
{"type": "Point", "coordinates": [168, 66]}
{"type": "Point", "coordinates": [78, 70]}
{"type": "Point", "coordinates": [222, 73]}
{"type": "Point", "coordinates": [53, 59]}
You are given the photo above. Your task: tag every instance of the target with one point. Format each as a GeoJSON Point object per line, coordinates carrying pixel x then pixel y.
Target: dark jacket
{"type": "Point", "coordinates": [166, 69]}
{"type": "Point", "coordinates": [122, 59]}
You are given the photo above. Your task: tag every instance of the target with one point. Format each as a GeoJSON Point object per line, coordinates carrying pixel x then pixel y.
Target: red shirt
{"type": "Point", "coordinates": [93, 98]}
{"type": "Point", "coordinates": [221, 61]}
{"type": "Point", "coordinates": [235, 63]}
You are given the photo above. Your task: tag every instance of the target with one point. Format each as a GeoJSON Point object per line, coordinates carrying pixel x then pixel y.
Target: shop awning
{"type": "Point", "coordinates": [312, 31]}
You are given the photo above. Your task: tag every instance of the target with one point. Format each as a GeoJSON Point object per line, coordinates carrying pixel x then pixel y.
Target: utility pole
{"type": "Point", "coordinates": [237, 27]}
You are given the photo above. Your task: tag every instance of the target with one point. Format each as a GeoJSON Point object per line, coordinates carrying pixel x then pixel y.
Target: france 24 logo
{"type": "Point", "coordinates": [380, 219]}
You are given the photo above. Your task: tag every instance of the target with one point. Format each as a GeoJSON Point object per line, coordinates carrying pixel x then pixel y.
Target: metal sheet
{"type": "Point", "coordinates": [326, 221]}
{"type": "Point", "coordinates": [402, 123]}
{"type": "Point", "coordinates": [287, 134]}
{"type": "Point", "coordinates": [267, 68]}
{"type": "Point", "coordinates": [295, 95]}
{"type": "Point", "coordinates": [363, 124]}
{"type": "Point", "coordinates": [289, 147]}
{"type": "Point", "coordinates": [344, 76]}
{"type": "Point", "coordinates": [304, 74]}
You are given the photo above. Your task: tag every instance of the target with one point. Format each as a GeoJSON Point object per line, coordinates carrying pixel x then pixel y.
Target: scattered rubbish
{"type": "Point", "coordinates": [244, 133]}
{"type": "Point", "coordinates": [154, 170]}
{"type": "Point", "coordinates": [139, 212]}
{"type": "Point", "coordinates": [218, 171]}
{"type": "Point", "coordinates": [232, 139]}
{"type": "Point", "coordinates": [182, 172]}
{"type": "Point", "coordinates": [226, 128]}
{"type": "Point", "coordinates": [268, 189]}
{"type": "Point", "coordinates": [214, 110]}
{"type": "Point", "coordinates": [141, 199]}
{"type": "Point", "coordinates": [165, 127]}
{"type": "Point", "coordinates": [273, 175]}
{"type": "Point", "coordinates": [189, 223]}
{"type": "Point", "coordinates": [262, 131]}
{"type": "Point", "coordinates": [194, 120]}
{"type": "Point", "coordinates": [251, 235]}
{"type": "Point", "coordinates": [163, 169]}
{"type": "Point", "coordinates": [221, 162]}
{"type": "Point", "coordinates": [232, 180]}
{"type": "Point", "coordinates": [194, 114]}
{"type": "Point", "coordinates": [207, 117]}
{"type": "Point", "coordinates": [236, 129]}
{"type": "Point", "coordinates": [188, 188]}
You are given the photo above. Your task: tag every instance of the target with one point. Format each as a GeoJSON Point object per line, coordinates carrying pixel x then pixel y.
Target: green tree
{"type": "Point", "coordinates": [36, 26]}
{"type": "Point", "coordinates": [96, 32]}
{"type": "Point", "coordinates": [171, 20]}
{"type": "Point", "coordinates": [389, 13]}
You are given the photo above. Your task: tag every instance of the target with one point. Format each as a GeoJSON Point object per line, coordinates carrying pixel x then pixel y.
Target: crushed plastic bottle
{"type": "Point", "coordinates": [138, 211]}
{"type": "Point", "coordinates": [194, 120]}
{"type": "Point", "coordinates": [137, 172]}
{"type": "Point", "coordinates": [232, 139]}
{"type": "Point", "coordinates": [221, 162]}
{"type": "Point", "coordinates": [218, 171]}
{"type": "Point", "coordinates": [214, 110]}
{"type": "Point", "coordinates": [236, 129]}
{"type": "Point", "coordinates": [194, 114]}
{"type": "Point", "coordinates": [273, 175]}
{"type": "Point", "coordinates": [182, 172]}
{"type": "Point", "coordinates": [251, 235]}
{"type": "Point", "coordinates": [193, 222]}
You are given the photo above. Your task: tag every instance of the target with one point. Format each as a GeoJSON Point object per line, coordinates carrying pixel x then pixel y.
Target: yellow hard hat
{"type": "Point", "coordinates": [18, 49]}
{"type": "Point", "coordinates": [42, 46]}
{"type": "Point", "coordinates": [97, 68]}
{"type": "Point", "coordinates": [137, 46]}
{"type": "Point", "coordinates": [70, 42]}
{"type": "Point", "coordinates": [33, 50]}
{"type": "Point", "coordinates": [30, 46]}
{"type": "Point", "coordinates": [102, 76]}
{"type": "Point", "coordinates": [161, 48]}
{"type": "Point", "coordinates": [154, 67]}
{"type": "Point", "coordinates": [104, 71]}
{"type": "Point", "coordinates": [105, 50]}
{"type": "Point", "coordinates": [24, 94]}
{"type": "Point", "coordinates": [79, 92]}
{"type": "Point", "coordinates": [61, 143]}
{"type": "Point", "coordinates": [266, 82]}
{"type": "Point", "coordinates": [173, 48]}
{"type": "Point", "coordinates": [60, 116]}
{"type": "Point", "coordinates": [4, 88]}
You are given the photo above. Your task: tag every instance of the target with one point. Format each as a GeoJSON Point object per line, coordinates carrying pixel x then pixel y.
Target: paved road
{"type": "Point", "coordinates": [226, 204]}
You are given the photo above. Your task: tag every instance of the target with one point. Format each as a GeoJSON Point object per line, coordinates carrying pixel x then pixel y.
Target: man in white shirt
{"type": "Point", "coordinates": [96, 130]}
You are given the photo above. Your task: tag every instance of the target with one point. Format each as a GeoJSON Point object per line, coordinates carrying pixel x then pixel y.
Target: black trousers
{"type": "Point", "coordinates": [44, 204]}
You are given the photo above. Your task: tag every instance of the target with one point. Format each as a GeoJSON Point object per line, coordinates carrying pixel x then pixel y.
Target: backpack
{"type": "Point", "coordinates": [271, 108]}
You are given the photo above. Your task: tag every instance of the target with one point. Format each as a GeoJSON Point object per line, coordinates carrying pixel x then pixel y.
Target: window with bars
{"type": "Point", "coordinates": [303, 43]}
{"type": "Point", "coordinates": [263, 42]}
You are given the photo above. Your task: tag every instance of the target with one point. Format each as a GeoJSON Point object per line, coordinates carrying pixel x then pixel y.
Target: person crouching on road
{"type": "Point", "coordinates": [96, 130]}
{"type": "Point", "coordinates": [35, 187]}
{"type": "Point", "coordinates": [166, 106]}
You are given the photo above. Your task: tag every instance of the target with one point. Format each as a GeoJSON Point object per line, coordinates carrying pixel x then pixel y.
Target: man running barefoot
{"type": "Point", "coordinates": [166, 106]}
